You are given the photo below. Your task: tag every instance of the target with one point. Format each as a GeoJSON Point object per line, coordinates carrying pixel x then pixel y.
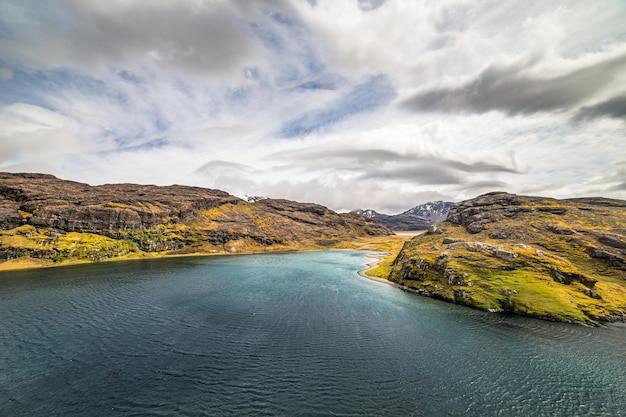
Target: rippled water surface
{"type": "Point", "coordinates": [289, 334]}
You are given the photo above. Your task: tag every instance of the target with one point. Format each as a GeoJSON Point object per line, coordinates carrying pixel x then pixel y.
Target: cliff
{"type": "Point", "coordinates": [553, 259]}
{"type": "Point", "coordinates": [45, 221]}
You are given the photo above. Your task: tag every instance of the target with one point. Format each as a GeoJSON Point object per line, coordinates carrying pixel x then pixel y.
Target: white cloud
{"type": "Point", "coordinates": [31, 132]}
{"type": "Point", "coordinates": [302, 100]}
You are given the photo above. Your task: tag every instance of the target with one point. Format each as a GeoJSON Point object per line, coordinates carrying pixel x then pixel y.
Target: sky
{"type": "Point", "coordinates": [381, 104]}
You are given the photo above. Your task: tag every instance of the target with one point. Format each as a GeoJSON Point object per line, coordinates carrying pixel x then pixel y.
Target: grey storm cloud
{"type": "Point", "coordinates": [438, 172]}
{"type": "Point", "coordinates": [387, 165]}
{"type": "Point", "coordinates": [619, 187]}
{"type": "Point", "coordinates": [509, 89]}
{"type": "Point", "coordinates": [425, 174]}
{"type": "Point", "coordinates": [617, 179]}
{"type": "Point", "coordinates": [490, 185]}
{"type": "Point", "coordinates": [363, 158]}
{"type": "Point", "coordinates": [614, 107]}
{"type": "Point", "coordinates": [336, 154]}
{"type": "Point", "coordinates": [218, 166]}
{"type": "Point", "coordinates": [204, 37]}
{"type": "Point", "coordinates": [478, 167]}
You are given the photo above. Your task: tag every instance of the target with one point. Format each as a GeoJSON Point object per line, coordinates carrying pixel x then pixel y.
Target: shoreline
{"type": "Point", "coordinates": [150, 256]}
{"type": "Point", "coordinates": [362, 244]}
{"type": "Point", "coordinates": [377, 257]}
{"type": "Point", "coordinates": [156, 255]}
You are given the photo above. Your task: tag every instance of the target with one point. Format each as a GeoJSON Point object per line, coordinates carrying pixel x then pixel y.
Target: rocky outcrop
{"type": "Point", "coordinates": [46, 201]}
{"type": "Point", "coordinates": [42, 216]}
{"type": "Point", "coordinates": [554, 259]}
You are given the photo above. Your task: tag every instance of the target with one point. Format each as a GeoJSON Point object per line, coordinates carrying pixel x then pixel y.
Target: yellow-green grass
{"type": "Point", "coordinates": [31, 247]}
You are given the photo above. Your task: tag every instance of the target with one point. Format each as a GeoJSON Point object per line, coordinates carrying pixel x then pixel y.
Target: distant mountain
{"type": "Point", "coordinates": [436, 211]}
{"type": "Point", "coordinates": [417, 218]}
{"type": "Point", "coordinates": [369, 213]}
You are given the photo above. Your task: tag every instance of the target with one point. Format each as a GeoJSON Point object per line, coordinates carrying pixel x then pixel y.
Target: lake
{"type": "Point", "coordinates": [293, 334]}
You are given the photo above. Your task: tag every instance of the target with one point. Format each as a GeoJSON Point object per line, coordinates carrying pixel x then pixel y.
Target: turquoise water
{"type": "Point", "coordinates": [284, 334]}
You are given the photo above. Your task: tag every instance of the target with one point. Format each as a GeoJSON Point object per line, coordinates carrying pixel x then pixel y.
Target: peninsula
{"type": "Point", "coordinates": [560, 260]}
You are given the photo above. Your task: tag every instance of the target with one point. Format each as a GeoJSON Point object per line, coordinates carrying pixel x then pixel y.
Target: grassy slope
{"type": "Point", "coordinates": [527, 283]}
{"type": "Point", "coordinates": [32, 247]}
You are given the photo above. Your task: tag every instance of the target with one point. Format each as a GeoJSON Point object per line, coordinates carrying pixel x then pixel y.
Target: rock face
{"type": "Point", "coordinates": [46, 201]}
{"type": "Point", "coordinates": [553, 259]}
{"type": "Point", "coordinates": [47, 218]}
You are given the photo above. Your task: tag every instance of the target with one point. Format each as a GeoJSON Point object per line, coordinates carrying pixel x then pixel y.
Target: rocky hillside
{"type": "Point", "coordinates": [554, 259]}
{"type": "Point", "coordinates": [417, 218]}
{"type": "Point", "coordinates": [45, 220]}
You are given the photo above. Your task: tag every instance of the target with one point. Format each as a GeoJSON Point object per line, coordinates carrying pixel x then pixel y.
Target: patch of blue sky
{"type": "Point", "coordinates": [6, 34]}
{"type": "Point", "coordinates": [323, 82]}
{"type": "Point", "coordinates": [22, 19]}
{"type": "Point", "coordinates": [283, 19]}
{"type": "Point", "coordinates": [373, 93]}
{"type": "Point", "coordinates": [130, 77]}
{"type": "Point", "coordinates": [152, 123]}
{"type": "Point", "coordinates": [44, 88]}
{"type": "Point", "coordinates": [292, 47]}
{"type": "Point", "coordinates": [314, 85]}
{"type": "Point", "coordinates": [544, 133]}
{"type": "Point", "coordinates": [154, 144]}
{"type": "Point", "coordinates": [147, 146]}
{"type": "Point", "coordinates": [238, 94]}
{"type": "Point", "coordinates": [161, 125]}
{"type": "Point", "coordinates": [35, 87]}
{"type": "Point", "coordinates": [138, 141]}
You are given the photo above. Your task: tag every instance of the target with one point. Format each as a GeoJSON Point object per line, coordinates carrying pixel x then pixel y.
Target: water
{"type": "Point", "coordinates": [288, 334]}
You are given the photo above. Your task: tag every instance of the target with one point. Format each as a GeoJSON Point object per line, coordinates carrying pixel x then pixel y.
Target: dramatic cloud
{"type": "Point", "coordinates": [195, 38]}
{"type": "Point", "coordinates": [614, 107]}
{"type": "Point", "coordinates": [378, 104]}
{"type": "Point", "coordinates": [509, 89]}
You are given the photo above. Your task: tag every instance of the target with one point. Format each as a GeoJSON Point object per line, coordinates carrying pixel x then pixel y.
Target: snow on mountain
{"type": "Point", "coordinates": [417, 218]}
{"type": "Point", "coordinates": [435, 211]}
{"type": "Point", "coordinates": [369, 213]}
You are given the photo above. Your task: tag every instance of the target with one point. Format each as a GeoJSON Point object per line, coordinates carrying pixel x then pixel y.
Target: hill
{"type": "Point", "coordinates": [48, 221]}
{"type": "Point", "coordinates": [553, 259]}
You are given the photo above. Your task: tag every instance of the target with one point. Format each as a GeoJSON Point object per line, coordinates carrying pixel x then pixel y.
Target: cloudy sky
{"type": "Point", "coordinates": [380, 104]}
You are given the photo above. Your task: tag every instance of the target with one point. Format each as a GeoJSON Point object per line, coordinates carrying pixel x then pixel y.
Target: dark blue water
{"type": "Point", "coordinates": [291, 334]}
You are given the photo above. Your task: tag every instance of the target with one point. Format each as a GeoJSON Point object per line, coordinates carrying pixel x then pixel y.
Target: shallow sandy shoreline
{"type": "Point", "coordinates": [376, 258]}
